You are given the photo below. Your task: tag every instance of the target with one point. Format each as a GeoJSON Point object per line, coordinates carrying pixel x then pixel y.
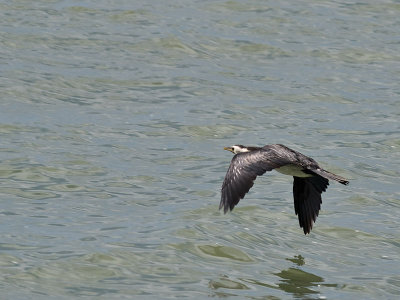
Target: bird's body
{"type": "Point", "coordinates": [310, 180]}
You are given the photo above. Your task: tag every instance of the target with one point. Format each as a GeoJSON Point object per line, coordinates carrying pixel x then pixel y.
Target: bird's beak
{"type": "Point", "coordinates": [229, 149]}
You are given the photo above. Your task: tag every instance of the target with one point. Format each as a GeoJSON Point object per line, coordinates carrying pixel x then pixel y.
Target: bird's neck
{"type": "Point", "coordinates": [248, 149]}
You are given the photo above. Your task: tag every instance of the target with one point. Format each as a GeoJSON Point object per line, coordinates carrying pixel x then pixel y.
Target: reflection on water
{"type": "Point", "coordinates": [294, 281]}
{"type": "Point", "coordinates": [298, 282]}
{"type": "Point", "coordinates": [298, 260]}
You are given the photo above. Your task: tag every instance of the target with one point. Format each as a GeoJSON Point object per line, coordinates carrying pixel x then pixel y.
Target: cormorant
{"type": "Point", "coordinates": [310, 180]}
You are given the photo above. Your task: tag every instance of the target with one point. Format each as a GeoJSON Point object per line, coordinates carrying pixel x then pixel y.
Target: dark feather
{"type": "Point", "coordinates": [307, 199]}
{"type": "Point", "coordinates": [328, 175]}
{"type": "Point", "coordinates": [243, 170]}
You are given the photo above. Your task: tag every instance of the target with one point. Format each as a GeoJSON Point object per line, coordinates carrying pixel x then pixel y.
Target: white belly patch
{"type": "Point", "coordinates": [292, 170]}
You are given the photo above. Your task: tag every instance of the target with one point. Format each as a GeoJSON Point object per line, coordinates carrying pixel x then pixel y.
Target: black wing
{"type": "Point", "coordinates": [307, 199]}
{"type": "Point", "coordinates": [242, 172]}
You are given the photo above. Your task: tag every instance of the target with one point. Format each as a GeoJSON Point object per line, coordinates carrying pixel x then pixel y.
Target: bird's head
{"type": "Point", "coordinates": [238, 149]}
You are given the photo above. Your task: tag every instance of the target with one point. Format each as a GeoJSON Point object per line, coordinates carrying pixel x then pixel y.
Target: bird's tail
{"type": "Point", "coordinates": [329, 175]}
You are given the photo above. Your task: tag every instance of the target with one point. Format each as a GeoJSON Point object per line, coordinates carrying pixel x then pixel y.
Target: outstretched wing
{"type": "Point", "coordinates": [242, 172]}
{"type": "Point", "coordinates": [307, 199]}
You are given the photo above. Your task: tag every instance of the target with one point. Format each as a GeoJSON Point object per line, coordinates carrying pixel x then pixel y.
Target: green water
{"type": "Point", "coordinates": [113, 117]}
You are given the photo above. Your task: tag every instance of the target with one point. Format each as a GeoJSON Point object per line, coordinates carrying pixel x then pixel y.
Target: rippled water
{"type": "Point", "coordinates": [113, 116]}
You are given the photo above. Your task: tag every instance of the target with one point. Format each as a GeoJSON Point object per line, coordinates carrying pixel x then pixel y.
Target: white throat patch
{"type": "Point", "coordinates": [237, 149]}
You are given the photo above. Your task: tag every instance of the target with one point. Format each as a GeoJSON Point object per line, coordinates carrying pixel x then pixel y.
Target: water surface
{"type": "Point", "coordinates": [113, 116]}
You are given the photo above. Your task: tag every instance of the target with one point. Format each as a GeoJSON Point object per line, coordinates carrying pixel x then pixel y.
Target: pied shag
{"type": "Point", "coordinates": [310, 180]}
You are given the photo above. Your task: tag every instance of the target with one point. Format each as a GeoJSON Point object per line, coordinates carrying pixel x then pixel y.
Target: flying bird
{"type": "Point", "coordinates": [310, 180]}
